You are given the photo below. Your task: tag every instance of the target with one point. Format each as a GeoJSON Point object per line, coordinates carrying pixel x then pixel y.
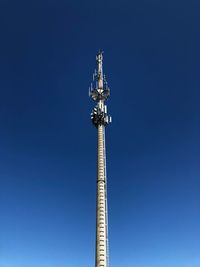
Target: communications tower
{"type": "Point", "coordinates": [100, 92]}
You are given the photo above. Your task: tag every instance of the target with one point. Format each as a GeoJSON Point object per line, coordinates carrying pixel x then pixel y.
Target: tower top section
{"type": "Point", "coordinates": [99, 92]}
{"type": "Point", "coordinates": [99, 89]}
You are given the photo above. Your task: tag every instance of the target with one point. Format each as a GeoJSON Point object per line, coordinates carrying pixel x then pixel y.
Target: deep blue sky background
{"type": "Point", "coordinates": [48, 145]}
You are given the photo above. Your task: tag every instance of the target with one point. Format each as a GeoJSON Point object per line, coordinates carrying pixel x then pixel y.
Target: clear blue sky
{"type": "Point", "coordinates": [48, 144]}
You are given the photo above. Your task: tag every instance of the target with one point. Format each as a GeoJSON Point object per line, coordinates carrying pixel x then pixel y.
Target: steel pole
{"type": "Point", "coordinates": [101, 228]}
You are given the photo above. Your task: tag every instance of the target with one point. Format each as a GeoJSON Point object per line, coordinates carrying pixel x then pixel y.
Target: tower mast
{"type": "Point", "coordinates": [99, 92]}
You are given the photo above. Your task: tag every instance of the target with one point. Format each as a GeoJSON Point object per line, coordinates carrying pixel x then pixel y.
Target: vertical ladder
{"type": "Point", "coordinates": [106, 202]}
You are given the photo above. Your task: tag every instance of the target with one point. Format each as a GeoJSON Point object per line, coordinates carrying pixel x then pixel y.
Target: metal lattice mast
{"type": "Point", "coordinates": [99, 92]}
